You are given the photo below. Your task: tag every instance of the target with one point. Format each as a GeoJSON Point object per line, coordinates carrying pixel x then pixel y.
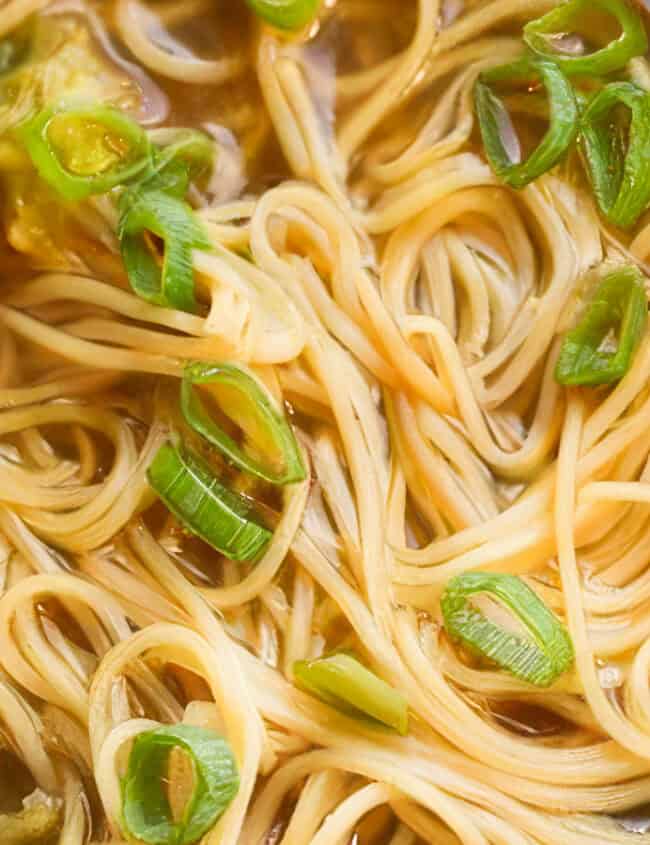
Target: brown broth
{"type": "Point", "coordinates": [16, 782]}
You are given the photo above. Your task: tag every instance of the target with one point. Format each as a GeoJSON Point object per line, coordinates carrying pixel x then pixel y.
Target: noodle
{"type": "Point", "coordinates": [364, 379]}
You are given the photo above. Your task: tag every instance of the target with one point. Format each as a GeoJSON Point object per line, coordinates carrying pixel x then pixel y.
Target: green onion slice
{"type": "Point", "coordinates": [146, 811]}
{"type": "Point", "coordinates": [272, 451]}
{"type": "Point", "coordinates": [553, 36]}
{"type": "Point", "coordinates": [500, 139]}
{"type": "Point", "coordinates": [285, 14]}
{"type": "Point", "coordinates": [539, 659]}
{"type": "Point", "coordinates": [224, 519]}
{"type": "Point", "coordinates": [157, 234]}
{"type": "Point", "coordinates": [600, 349]}
{"type": "Point", "coordinates": [343, 682]}
{"type": "Point", "coordinates": [618, 156]}
{"type": "Point", "coordinates": [81, 149]}
{"type": "Point", "coordinates": [180, 157]}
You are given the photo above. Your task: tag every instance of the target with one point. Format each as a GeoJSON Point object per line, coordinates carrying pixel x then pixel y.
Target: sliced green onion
{"type": "Point", "coordinates": [343, 682]}
{"type": "Point", "coordinates": [499, 137]}
{"type": "Point", "coordinates": [180, 157]}
{"type": "Point", "coordinates": [285, 14]}
{"type": "Point", "coordinates": [600, 349]}
{"type": "Point", "coordinates": [618, 166]}
{"type": "Point", "coordinates": [539, 660]}
{"type": "Point", "coordinates": [549, 34]}
{"type": "Point", "coordinates": [84, 149]}
{"type": "Point", "coordinates": [146, 811]}
{"type": "Point", "coordinates": [224, 519]}
{"type": "Point", "coordinates": [246, 401]}
{"type": "Point", "coordinates": [166, 279]}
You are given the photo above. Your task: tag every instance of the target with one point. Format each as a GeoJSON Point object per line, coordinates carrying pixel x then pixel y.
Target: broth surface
{"type": "Point", "coordinates": [396, 310]}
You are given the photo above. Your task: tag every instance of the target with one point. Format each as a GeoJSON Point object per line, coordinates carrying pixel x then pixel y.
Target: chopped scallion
{"type": "Point", "coordinates": [502, 146]}
{"type": "Point", "coordinates": [285, 14]}
{"type": "Point", "coordinates": [552, 35]}
{"type": "Point", "coordinates": [157, 234]}
{"type": "Point", "coordinates": [224, 519]}
{"type": "Point", "coordinates": [146, 811]}
{"type": "Point", "coordinates": [345, 683]}
{"type": "Point", "coordinates": [82, 149]}
{"type": "Point", "coordinates": [180, 157]}
{"type": "Point", "coordinates": [601, 348]}
{"type": "Point", "coordinates": [618, 156]}
{"type": "Point", "coordinates": [539, 659]}
{"type": "Point", "coordinates": [273, 453]}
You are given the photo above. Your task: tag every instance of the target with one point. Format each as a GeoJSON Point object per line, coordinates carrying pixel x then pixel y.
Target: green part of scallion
{"type": "Point", "coordinates": [180, 157]}
{"type": "Point", "coordinates": [539, 659]}
{"type": "Point", "coordinates": [224, 519]}
{"type": "Point", "coordinates": [157, 234]}
{"type": "Point", "coordinates": [285, 14]}
{"type": "Point", "coordinates": [82, 149]}
{"type": "Point", "coordinates": [343, 682]}
{"type": "Point", "coordinates": [500, 139]}
{"type": "Point", "coordinates": [273, 453]}
{"type": "Point", "coordinates": [553, 36]}
{"type": "Point", "coordinates": [146, 812]}
{"type": "Point", "coordinates": [601, 348]}
{"type": "Point", "coordinates": [617, 156]}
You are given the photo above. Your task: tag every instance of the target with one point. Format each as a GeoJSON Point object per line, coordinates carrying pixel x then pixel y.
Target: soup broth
{"type": "Point", "coordinates": [324, 418]}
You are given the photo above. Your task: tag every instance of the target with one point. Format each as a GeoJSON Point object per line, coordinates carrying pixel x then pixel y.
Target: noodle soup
{"type": "Point", "coordinates": [324, 416]}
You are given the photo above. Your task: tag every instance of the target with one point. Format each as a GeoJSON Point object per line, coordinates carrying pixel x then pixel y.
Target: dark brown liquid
{"type": "Point", "coordinates": [16, 782]}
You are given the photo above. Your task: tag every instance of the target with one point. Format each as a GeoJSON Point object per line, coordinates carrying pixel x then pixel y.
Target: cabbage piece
{"type": "Point", "coordinates": [61, 59]}
{"type": "Point", "coordinates": [54, 57]}
{"type": "Point", "coordinates": [39, 820]}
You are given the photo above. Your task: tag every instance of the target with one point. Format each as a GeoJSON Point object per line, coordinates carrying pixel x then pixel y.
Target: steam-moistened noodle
{"type": "Point", "coordinates": [324, 422]}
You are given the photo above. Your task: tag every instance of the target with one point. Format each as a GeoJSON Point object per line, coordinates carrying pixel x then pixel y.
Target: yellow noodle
{"type": "Point", "coordinates": [407, 311]}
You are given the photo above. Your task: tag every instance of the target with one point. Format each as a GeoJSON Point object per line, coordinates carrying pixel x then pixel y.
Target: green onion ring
{"type": "Point", "coordinates": [620, 177]}
{"type": "Point", "coordinates": [494, 120]}
{"type": "Point", "coordinates": [619, 306]}
{"type": "Point", "coordinates": [146, 812]}
{"type": "Point", "coordinates": [538, 660]}
{"type": "Point", "coordinates": [169, 282]}
{"type": "Point", "coordinates": [260, 409]}
{"type": "Point", "coordinates": [224, 519]}
{"type": "Point", "coordinates": [632, 42]}
{"type": "Point", "coordinates": [107, 130]}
